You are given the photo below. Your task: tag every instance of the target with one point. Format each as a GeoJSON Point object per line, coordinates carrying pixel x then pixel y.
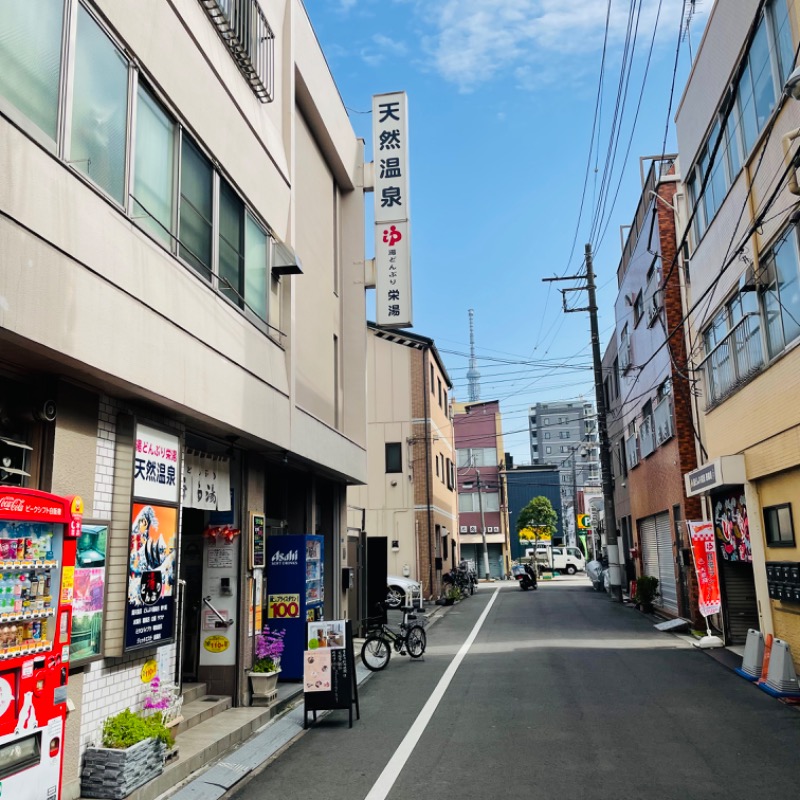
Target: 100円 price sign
{"type": "Point", "coordinates": [329, 670]}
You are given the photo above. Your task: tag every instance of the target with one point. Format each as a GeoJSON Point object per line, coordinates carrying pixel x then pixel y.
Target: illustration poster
{"type": "Point", "coordinates": [317, 671]}
{"type": "Point", "coordinates": [151, 575]}
{"type": "Point", "coordinates": [731, 526]}
{"type": "Point", "coordinates": [89, 590]}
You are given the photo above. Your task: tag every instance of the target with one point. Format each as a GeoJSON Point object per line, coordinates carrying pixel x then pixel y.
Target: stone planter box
{"type": "Point", "coordinates": [265, 687]}
{"type": "Point", "coordinates": [114, 774]}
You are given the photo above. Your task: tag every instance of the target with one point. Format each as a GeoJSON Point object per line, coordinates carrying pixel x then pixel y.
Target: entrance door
{"type": "Point", "coordinates": [191, 571]}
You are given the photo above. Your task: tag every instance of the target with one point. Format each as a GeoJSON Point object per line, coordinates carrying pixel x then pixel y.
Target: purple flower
{"type": "Point", "coordinates": [269, 648]}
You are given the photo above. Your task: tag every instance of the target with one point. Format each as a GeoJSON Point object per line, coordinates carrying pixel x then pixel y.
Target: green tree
{"type": "Point", "coordinates": [540, 517]}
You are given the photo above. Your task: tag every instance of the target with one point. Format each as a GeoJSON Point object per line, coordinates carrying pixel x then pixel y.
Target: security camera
{"type": "Point", "coordinates": [47, 411]}
{"type": "Point", "coordinates": [792, 86]}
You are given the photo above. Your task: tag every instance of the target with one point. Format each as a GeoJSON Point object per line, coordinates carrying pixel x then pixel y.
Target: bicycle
{"type": "Point", "coordinates": [410, 638]}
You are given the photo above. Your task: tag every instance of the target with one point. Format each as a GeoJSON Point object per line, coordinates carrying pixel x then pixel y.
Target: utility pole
{"type": "Point", "coordinates": [486, 572]}
{"type": "Point", "coordinates": [602, 426]}
{"type": "Point", "coordinates": [575, 495]}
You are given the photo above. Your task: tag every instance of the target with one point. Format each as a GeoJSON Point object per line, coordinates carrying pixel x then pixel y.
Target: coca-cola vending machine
{"type": "Point", "coordinates": [38, 533]}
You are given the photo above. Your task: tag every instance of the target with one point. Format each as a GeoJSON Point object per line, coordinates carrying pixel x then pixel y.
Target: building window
{"type": "Point", "coordinates": [30, 60]}
{"type": "Point", "coordinates": [437, 465]}
{"type": "Point", "coordinates": [563, 435]}
{"type": "Point", "coordinates": [782, 296]}
{"type": "Point", "coordinates": [154, 171]}
{"type": "Point", "coordinates": [778, 527]}
{"type": "Point", "coordinates": [394, 457]}
{"type": "Point", "coordinates": [439, 384]}
{"type": "Point", "coordinates": [547, 434]}
{"type": "Point", "coordinates": [257, 287]}
{"type": "Point", "coordinates": [477, 457]}
{"type": "Point", "coordinates": [471, 501]}
{"type": "Point", "coordinates": [638, 308]}
{"type": "Point", "coordinates": [433, 386]}
{"type": "Point", "coordinates": [231, 245]}
{"type": "Point", "coordinates": [646, 438]}
{"type": "Point", "coordinates": [548, 450]}
{"type": "Point", "coordinates": [451, 478]}
{"type": "Point", "coordinates": [197, 201]}
{"type": "Point", "coordinates": [99, 108]}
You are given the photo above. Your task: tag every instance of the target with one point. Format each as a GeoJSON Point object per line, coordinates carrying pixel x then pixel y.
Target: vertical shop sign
{"type": "Point", "coordinates": [392, 214]}
{"type": "Point", "coordinates": [150, 607]}
{"type": "Point", "coordinates": [705, 564]}
{"type": "Point", "coordinates": [258, 543]}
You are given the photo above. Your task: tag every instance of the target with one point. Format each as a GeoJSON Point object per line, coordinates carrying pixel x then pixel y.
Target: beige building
{"type": "Point", "coordinates": [181, 256]}
{"type": "Point", "coordinates": [409, 498]}
{"type": "Point", "coordinates": [742, 278]}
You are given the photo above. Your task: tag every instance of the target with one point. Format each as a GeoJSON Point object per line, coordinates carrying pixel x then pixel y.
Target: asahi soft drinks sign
{"type": "Point", "coordinates": [392, 215]}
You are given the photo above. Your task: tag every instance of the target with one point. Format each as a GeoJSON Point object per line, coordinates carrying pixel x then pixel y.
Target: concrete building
{"type": "Point", "coordinates": [564, 434]}
{"type": "Point", "coordinates": [482, 508]}
{"type": "Point", "coordinates": [649, 390]}
{"type": "Point", "coordinates": [409, 498]}
{"type": "Point", "coordinates": [740, 206]}
{"type": "Point", "coordinates": [181, 262]}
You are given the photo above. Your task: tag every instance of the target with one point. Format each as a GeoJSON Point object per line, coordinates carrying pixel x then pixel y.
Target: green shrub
{"type": "Point", "coordinates": [646, 589]}
{"type": "Point", "coordinates": [127, 728]}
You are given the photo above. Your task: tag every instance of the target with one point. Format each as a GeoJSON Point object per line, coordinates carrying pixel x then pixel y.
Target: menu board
{"type": "Point", "coordinates": [329, 670]}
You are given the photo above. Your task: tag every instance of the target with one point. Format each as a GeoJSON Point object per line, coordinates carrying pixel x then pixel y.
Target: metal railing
{"type": "Point", "coordinates": [734, 360]}
{"type": "Point", "coordinates": [243, 27]}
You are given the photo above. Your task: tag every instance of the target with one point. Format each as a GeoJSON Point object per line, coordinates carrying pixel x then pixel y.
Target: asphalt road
{"type": "Point", "coordinates": [562, 694]}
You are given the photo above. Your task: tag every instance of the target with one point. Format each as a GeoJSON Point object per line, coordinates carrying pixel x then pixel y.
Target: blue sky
{"type": "Point", "coordinates": [502, 101]}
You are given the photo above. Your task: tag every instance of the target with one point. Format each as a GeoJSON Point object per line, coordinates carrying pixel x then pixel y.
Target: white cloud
{"type": "Point", "coordinates": [380, 47]}
{"type": "Point", "coordinates": [472, 41]}
{"type": "Point", "coordinates": [346, 5]}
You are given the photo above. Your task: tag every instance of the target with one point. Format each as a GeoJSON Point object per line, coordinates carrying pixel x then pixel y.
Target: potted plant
{"type": "Point", "coordinates": [267, 666]}
{"type": "Point", "coordinates": [646, 591]}
{"type": "Point", "coordinates": [131, 754]}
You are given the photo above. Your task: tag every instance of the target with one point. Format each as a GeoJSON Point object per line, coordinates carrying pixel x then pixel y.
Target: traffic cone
{"type": "Point", "coordinates": [781, 677]}
{"type": "Point", "coordinates": [753, 659]}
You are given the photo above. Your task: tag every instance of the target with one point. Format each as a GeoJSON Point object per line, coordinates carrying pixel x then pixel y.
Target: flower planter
{"type": "Point", "coordinates": [114, 774]}
{"type": "Point", "coordinates": [264, 687]}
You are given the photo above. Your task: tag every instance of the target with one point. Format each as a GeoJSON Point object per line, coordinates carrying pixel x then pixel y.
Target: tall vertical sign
{"type": "Point", "coordinates": [705, 564]}
{"type": "Point", "coordinates": [392, 216]}
{"type": "Point", "coordinates": [152, 546]}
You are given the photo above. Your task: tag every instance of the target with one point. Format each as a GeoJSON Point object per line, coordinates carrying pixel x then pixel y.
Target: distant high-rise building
{"type": "Point", "coordinates": [561, 428]}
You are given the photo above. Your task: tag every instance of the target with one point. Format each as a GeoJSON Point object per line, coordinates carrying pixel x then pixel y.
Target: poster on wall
{"type": "Point", "coordinates": [89, 591]}
{"type": "Point", "coordinates": [151, 575]}
{"type": "Point", "coordinates": [155, 465]}
{"type": "Point", "coordinates": [731, 526]}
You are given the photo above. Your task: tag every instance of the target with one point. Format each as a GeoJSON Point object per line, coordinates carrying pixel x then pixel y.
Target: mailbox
{"type": "Point", "coordinates": [348, 578]}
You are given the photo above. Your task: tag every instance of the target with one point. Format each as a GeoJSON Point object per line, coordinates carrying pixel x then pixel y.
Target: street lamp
{"type": "Point", "coordinates": [483, 522]}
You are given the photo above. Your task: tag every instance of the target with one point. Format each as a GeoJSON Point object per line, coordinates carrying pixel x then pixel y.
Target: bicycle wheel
{"type": "Point", "coordinates": [375, 652]}
{"type": "Point", "coordinates": [416, 639]}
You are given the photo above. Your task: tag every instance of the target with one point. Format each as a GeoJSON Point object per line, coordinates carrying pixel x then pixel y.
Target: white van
{"type": "Point", "coordinates": [564, 559]}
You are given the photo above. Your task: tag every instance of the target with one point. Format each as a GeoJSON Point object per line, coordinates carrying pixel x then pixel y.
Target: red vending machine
{"type": "Point", "coordinates": [38, 533]}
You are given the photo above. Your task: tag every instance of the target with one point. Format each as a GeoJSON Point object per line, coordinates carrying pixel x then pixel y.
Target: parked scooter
{"type": "Point", "coordinates": [526, 575]}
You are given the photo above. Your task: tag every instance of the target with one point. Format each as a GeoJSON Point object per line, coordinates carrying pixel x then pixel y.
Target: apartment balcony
{"type": "Point", "coordinates": [734, 361]}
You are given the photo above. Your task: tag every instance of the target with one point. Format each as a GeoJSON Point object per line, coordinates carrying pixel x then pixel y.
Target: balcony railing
{"type": "Point", "coordinates": [733, 361]}
{"type": "Point", "coordinates": [243, 27]}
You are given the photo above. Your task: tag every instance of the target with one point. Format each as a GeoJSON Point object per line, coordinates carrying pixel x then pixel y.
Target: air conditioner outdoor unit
{"type": "Point", "coordinates": [462, 529]}
{"type": "Point", "coordinates": [473, 528]}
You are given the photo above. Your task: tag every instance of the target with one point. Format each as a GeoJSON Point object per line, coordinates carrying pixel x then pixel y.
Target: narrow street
{"type": "Point", "coordinates": [562, 694]}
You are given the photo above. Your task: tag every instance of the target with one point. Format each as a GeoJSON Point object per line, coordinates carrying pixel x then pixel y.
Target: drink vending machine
{"type": "Point", "coordinates": [295, 593]}
{"type": "Point", "coordinates": [38, 536]}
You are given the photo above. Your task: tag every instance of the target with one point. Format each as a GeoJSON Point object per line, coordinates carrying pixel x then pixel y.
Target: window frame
{"type": "Point", "coordinates": [768, 529]}
{"type": "Point", "coordinates": [389, 460]}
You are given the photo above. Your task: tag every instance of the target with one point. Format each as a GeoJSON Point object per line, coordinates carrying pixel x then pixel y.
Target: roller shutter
{"type": "Point", "coordinates": [739, 593]}
{"type": "Point", "coordinates": [666, 564]}
{"type": "Point", "coordinates": [649, 542]}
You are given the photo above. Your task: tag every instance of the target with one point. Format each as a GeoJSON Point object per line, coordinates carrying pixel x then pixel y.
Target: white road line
{"type": "Point", "coordinates": [391, 771]}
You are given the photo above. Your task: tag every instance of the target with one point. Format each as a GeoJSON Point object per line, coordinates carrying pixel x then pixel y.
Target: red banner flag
{"type": "Point", "coordinates": [705, 564]}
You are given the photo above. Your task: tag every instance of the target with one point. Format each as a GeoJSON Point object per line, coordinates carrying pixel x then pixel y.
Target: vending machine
{"type": "Point", "coordinates": [38, 536]}
{"type": "Point", "coordinates": [295, 593]}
